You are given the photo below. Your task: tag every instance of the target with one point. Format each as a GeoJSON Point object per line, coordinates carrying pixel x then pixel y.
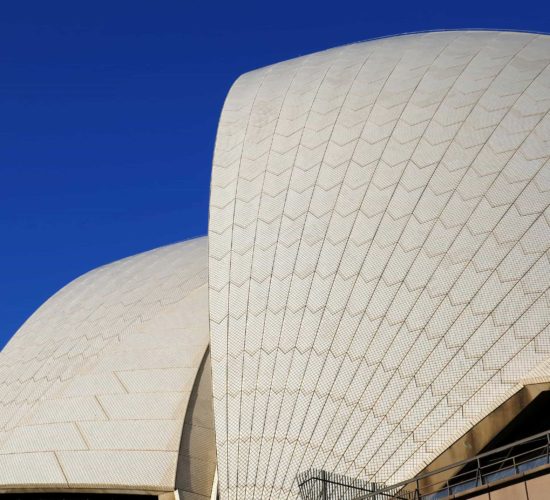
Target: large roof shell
{"type": "Point", "coordinates": [94, 387]}
{"type": "Point", "coordinates": [379, 268]}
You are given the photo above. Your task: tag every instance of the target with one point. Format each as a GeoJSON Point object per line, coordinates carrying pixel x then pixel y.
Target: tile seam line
{"type": "Point", "coordinates": [58, 460]}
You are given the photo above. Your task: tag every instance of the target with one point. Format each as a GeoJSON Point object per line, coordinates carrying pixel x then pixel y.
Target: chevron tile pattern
{"type": "Point", "coordinates": [94, 386]}
{"type": "Point", "coordinates": [379, 254]}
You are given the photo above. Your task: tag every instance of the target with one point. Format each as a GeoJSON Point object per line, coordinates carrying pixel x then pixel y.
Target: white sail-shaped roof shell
{"type": "Point", "coordinates": [379, 267]}
{"type": "Point", "coordinates": [94, 386]}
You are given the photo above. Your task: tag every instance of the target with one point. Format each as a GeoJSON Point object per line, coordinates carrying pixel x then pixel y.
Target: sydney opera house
{"type": "Point", "coordinates": [368, 317]}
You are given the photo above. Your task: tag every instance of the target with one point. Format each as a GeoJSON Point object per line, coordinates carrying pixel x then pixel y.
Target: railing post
{"type": "Point", "coordinates": [479, 472]}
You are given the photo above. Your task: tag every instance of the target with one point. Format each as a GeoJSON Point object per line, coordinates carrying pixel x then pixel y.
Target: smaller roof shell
{"type": "Point", "coordinates": [94, 387]}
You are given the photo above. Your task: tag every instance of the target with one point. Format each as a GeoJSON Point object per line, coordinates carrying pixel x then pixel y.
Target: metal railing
{"type": "Point", "coordinates": [484, 469]}
{"type": "Point", "coordinates": [317, 484]}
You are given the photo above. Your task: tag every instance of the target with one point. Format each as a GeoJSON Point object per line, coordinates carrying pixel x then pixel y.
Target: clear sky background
{"type": "Point", "coordinates": [109, 108]}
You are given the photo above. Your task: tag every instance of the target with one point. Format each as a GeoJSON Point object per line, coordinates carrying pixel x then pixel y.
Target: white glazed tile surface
{"type": "Point", "coordinates": [94, 386]}
{"type": "Point", "coordinates": [379, 254]}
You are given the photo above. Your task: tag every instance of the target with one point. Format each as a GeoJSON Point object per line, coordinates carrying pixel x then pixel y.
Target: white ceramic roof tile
{"type": "Point", "coordinates": [15, 468]}
{"type": "Point", "coordinates": [145, 406]}
{"type": "Point", "coordinates": [65, 410]}
{"type": "Point", "coordinates": [119, 468]}
{"type": "Point", "coordinates": [158, 380]}
{"type": "Point", "coordinates": [102, 372]}
{"type": "Point", "coordinates": [92, 384]}
{"type": "Point", "coordinates": [364, 269]}
{"type": "Point", "coordinates": [49, 437]}
{"type": "Point", "coordinates": [159, 435]}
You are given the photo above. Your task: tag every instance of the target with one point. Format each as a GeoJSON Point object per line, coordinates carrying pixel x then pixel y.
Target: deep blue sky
{"type": "Point", "coordinates": [108, 114]}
